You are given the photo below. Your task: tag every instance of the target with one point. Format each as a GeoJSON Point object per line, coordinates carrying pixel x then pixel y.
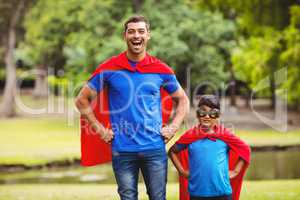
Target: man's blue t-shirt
{"type": "Point", "coordinates": [135, 107]}
{"type": "Point", "coordinates": [208, 167]}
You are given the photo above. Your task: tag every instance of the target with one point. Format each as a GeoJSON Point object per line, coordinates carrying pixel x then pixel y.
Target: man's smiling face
{"type": "Point", "coordinates": [136, 37]}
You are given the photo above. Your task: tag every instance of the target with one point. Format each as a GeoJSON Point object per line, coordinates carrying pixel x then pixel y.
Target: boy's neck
{"type": "Point", "coordinates": [207, 129]}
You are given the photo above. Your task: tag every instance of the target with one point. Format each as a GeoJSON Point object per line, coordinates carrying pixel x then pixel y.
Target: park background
{"type": "Point", "coordinates": [247, 52]}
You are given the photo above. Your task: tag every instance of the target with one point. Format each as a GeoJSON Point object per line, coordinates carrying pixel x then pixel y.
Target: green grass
{"type": "Point", "coordinates": [37, 141]}
{"type": "Point", "coordinates": [273, 190]}
{"type": "Point", "coordinates": [270, 137]}
{"type": "Point", "coordinates": [33, 141]}
{"type": "Point", "coordinates": [264, 137]}
{"type": "Point", "coordinates": [252, 190]}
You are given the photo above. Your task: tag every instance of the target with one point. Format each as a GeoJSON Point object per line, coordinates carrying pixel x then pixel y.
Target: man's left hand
{"type": "Point", "coordinates": [168, 132]}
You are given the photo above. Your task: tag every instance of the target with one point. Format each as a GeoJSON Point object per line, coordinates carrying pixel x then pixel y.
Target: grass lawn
{"type": "Point", "coordinates": [269, 137]}
{"type": "Point", "coordinates": [33, 141]}
{"type": "Point", "coordinates": [252, 190]}
{"type": "Point", "coordinates": [37, 141]}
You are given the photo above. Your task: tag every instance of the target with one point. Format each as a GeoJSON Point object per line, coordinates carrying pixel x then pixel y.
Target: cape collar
{"type": "Point", "coordinates": [122, 61]}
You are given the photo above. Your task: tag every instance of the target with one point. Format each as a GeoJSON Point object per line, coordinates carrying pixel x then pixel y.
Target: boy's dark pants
{"type": "Point", "coordinates": [212, 198]}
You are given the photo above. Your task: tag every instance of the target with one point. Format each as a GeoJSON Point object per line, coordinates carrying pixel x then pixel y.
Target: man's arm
{"type": "Point", "coordinates": [173, 156]}
{"type": "Point", "coordinates": [83, 103]}
{"type": "Point", "coordinates": [181, 110]}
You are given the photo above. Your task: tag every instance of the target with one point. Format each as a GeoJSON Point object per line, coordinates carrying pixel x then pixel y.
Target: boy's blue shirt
{"type": "Point", "coordinates": [208, 166]}
{"type": "Point", "coordinates": [135, 107]}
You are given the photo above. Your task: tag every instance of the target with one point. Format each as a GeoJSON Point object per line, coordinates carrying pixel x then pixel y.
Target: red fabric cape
{"type": "Point", "coordinates": [238, 148]}
{"type": "Point", "coordinates": [93, 149]}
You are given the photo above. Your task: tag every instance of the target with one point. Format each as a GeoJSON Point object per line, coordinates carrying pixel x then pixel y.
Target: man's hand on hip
{"type": "Point", "coordinates": [168, 132]}
{"type": "Point", "coordinates": [106, 134]}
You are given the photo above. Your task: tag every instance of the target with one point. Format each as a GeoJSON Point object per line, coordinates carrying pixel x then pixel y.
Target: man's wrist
{"type": "Point", "coordinates": [174, 126]}
{"type": "Point", "coordinates": [97, 127]}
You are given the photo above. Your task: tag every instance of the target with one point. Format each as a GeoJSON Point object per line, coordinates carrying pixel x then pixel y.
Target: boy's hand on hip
{"type": "Point", "coordinates": [168, 132]}
{"type": "Point", "coordinates": [233, 174]}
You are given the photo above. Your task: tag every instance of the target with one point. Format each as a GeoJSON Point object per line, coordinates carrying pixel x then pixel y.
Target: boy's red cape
{"type": "Point", "coordinates": [93, 149]}
{"type": "Point", "coordinates": [238, 149]}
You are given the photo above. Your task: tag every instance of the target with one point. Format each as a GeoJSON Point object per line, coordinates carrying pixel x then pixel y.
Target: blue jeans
{"type": "Point", "coordinates": [153, 165]}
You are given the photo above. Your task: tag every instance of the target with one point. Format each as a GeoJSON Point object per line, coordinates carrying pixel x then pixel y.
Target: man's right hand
{"type": "Point", "coordinates": [106, 134]}
{"type": "Point", "coordinates": [185, 174]}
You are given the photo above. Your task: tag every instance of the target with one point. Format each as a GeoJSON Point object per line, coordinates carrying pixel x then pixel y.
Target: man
{"type": "Point", "coordinates": [134, 81]}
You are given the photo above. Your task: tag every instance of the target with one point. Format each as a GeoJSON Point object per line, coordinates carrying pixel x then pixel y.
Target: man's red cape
{"type": "Point", "coordinates": [238, 148]}
{"type": "Point", "coordinates": [93, 149]}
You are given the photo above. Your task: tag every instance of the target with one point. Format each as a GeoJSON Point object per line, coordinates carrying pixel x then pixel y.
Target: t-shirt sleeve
{"type": "Point", "coordinates": [180, 147]}
{"type": "Point", "coordinates": [170, 83]}
{"type": "Point", "coordinates": [97, 82]}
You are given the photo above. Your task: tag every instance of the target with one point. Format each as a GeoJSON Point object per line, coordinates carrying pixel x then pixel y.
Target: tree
{"type": "Point", "coordinates": [253, 15]}
{"type": "Point", "coordinates": [175, 40]}
{"type": "Point", "coordinates": [254, 18]}
{"type": "Point", "coordinates": [69, 35]}
{"type": "Point", "coordinates": [47, 27]}
{"type": "Point", "coordinates": [257, 58]}
{"type": "Point", "coordinates": [82, 38]}
{"type": "Point", "coordinates": [290, 58]}
{"type": "Point", "coordinates": [11, 15]}
{"type": "Point", "coordinates": [192, 40]}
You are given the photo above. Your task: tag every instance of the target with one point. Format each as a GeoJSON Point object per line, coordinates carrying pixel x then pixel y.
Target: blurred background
{"type": "Point", "coordinates": [246, 52]}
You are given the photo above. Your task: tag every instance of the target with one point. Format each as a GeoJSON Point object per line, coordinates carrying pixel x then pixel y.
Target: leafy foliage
{"type": "Point", "coordinates": [75, 36]}
{"type": "Point", "coordinates": [290, 57]}
{"type": "Point", "coordinates": [253, 61]}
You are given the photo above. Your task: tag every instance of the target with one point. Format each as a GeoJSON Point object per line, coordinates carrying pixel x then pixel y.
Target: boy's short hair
{"type": "Point", "coordinates": [209, 100]}
{"type": "Point", "coordinates": [135, 19]}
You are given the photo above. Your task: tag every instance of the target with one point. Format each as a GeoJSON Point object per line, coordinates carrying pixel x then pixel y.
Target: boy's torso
{"type": "Point", "coordinates": [209, 171]}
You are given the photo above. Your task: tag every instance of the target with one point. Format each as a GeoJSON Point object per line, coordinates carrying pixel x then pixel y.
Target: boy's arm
{"type": "Point", "coordinates": [173, 151]}
{"type": "Point", "coordinates": [233, 173]}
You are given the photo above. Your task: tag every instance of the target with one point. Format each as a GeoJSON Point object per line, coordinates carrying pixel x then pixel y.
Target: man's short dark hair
{"type": "Point", "coordinates": [135, 19]}
{"type": "Point", "coordinates": [209, 100]}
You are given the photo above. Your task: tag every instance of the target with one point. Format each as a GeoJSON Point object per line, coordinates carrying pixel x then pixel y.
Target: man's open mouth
{"type": "Point", "coordinates": [137, 43]}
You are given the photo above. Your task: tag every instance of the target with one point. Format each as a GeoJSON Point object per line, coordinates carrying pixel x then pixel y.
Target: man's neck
{"type": "Point", "coordinates": [135, 57]}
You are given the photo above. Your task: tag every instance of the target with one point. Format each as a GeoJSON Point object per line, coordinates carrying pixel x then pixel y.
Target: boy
{"type": "Point", "coordinates": [211, 161]}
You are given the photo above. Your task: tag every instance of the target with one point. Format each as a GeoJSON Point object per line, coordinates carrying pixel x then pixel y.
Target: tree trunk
{"type": "Point", "coordinates": [232, 87]}
{"type": "Point", "coordinates": [137, 4]}
{"type": "Point", "coordinates": [248, 97]}
{"type": "Point", "coordinates": [41, 85]}
{"type": "Point", "coordinates": [7, 108]}
{"type": "Point", "coordinates": [272, 90]}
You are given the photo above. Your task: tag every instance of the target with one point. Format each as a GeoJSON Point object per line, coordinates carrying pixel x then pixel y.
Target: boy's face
{"type": "Point", "coordinates": [208, 117]}
{"type": "Point", "coordinates": [136, 37]}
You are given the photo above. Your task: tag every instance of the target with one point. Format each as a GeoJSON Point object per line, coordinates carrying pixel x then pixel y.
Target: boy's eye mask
{"type": "Point", "coordinates": [214, 113]}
